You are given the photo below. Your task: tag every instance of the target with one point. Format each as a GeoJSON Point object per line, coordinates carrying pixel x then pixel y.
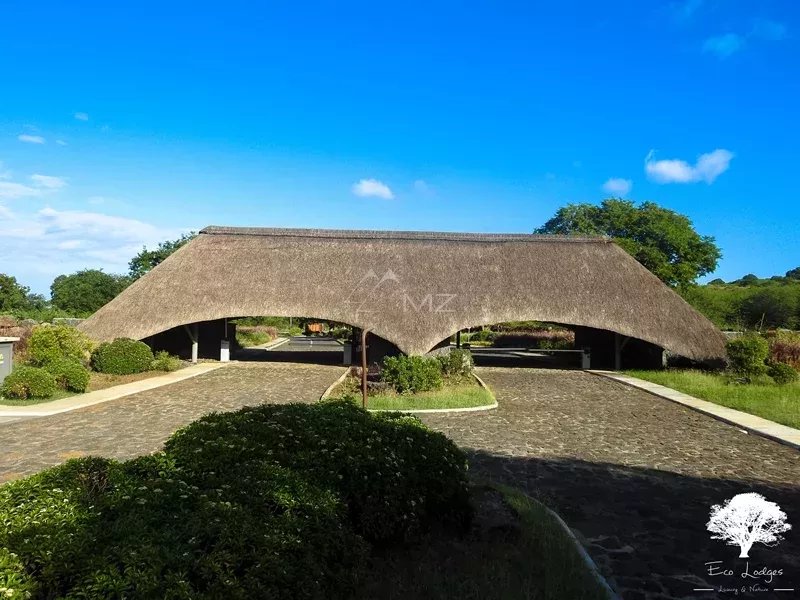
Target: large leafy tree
{"type": "Point", "coordinates": [13, 296]}
{"type": "Point", "coordinates": [148, 259]}
{"type": "Point", "coordinates": [84, 292]}
{"type": "Point", "coordinates": [662, 240]}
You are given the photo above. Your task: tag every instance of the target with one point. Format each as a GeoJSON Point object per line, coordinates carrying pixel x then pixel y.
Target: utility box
{"type": "Point", "coordinates": [6, 356]}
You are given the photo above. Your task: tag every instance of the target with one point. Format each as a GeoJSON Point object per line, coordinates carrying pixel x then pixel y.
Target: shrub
{"type": "Point", "coordinates": [483, 335]}
{"type": "Point", "coordinates": [784, 347]}
{"type": "Point", "coordinates": [394, 476]}
{"type": "Point", "coordinates": [295, 331]}
{"type": "Point", "coordinates": [783, 374]}
{"type": "Point", "coordinates": [49, 343]}
{"type": "Point", "coordinates": [411, 374]}
{"type": "Point", "coordinates": [123, 356]}
{"type": "Point", "coordinates": [69, 374]}
{"type": "Point", "coordinates": [746, 355]}
{"type": "Point", "coordinates": [543, 338]}
{"type": "Point", "coordinates": [29, 382]}
{"type": "Point", "coordinates": [254, 335]}
{"type": "Point", "coordinates": [456, 364]}
{"type": "Point", "coordinates": [164, 361]}
{"type": "Point", "coordinates": [96, 528]}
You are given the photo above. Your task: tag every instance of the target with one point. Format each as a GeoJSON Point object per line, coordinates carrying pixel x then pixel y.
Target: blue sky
{"type": "Point", "coordinates": [126, 125]}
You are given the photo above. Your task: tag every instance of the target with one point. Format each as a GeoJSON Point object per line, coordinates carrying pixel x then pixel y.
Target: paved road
{"type": "Point", "coordinates": [635, 475]}
{"type": "Point", "coordinates": [299, 349]}
{"type": "Point", "coordinates": [140, 423]}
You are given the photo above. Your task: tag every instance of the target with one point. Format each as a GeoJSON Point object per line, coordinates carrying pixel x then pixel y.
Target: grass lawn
{"type": "Point", "coordinates": [515, 550]}
{"type": "Point", "coordinates": [97, 381]}
{"type": "Point", "coordinates": [779, 403]}
{"type": "Point", "coordinates": [463, 395]}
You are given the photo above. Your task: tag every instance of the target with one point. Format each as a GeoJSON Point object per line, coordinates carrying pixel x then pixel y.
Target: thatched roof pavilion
{"type": "Point", "coordinates": [413, 289]}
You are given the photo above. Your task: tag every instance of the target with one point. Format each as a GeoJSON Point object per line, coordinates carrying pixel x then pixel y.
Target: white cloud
{"type": "Point", "coordinates": [4, 174]}
{"type": "Point", "coordinates": [42, 244]}
{"type": "Point", "coordinates": [366, 188]}
{"type": "Point", "coordinates": [61, 143]}
{"type": "Point", "coordinates": [31, 139]}
{"type": "Point", "coordinates": [421, 187]}
{"type": "Point", "coordinates": [707, 168]}
{"type": "Point", "coordinates": [81, 116]}
{"type": "Point", "coordinates": [10, 190]}
{"type": "Point", "coordinates": [724, 45]}
{"type": "Point", "coordinates": [771, 31]}
{"type": "Point", "coordinates": [48, 181]}
{"type": "Point", "coordinates": [618, 186]}
{"type": "Point", "coordinates": [5, 213]}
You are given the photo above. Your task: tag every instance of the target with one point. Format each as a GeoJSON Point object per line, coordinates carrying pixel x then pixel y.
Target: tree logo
{"type": "Point", "coordinates": [746, 519]}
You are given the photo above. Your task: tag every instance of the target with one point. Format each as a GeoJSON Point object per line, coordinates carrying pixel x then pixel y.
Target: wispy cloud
{"type": "Point", "coordinates": [728, 44]}
{"type": "Point", "coordinates": [422, 187]}
{"type": "Point", "coordinates": [49, 242]}
{"type": "Point", "coordinates": [687, 8]}
{"type": "Point", "coordinates": [367, 188]}
{"type": "Point", "coordinates": [618, 186]}
{"type": "Point", "coordinates": [61, 142]}
{"type": "Point", "coordinates": [724, 45]}
{"type": "Point", "coordinates": [81, 116]}
{"type": "Point", "coordinates": [48, 181]}
{"type": "Point", "coordinates": [31, 139]}
{"type": "Point", "coordinates": [771, 31]}
{"type": "Point", "coordinates": [707, 167]}
{"type": "Point", "coordinates": [40, 185]}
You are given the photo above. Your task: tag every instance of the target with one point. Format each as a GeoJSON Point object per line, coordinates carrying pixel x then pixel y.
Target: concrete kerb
{"type": "Point", "coordinates": [480, 381]}
{"type": "Point", "coordinates": [776, 432]}
{"type": "Point", "coordinates": [55, 407]}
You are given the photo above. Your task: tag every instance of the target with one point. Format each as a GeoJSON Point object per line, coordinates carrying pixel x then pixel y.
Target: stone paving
{"type": "Point", "coordinates": [633, 474]}
{"type": "Point", "coordinates": [140, 423]}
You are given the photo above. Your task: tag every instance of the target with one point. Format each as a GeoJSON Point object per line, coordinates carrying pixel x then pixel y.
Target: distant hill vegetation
{"type": "Point", "coordinates": [750, 302]}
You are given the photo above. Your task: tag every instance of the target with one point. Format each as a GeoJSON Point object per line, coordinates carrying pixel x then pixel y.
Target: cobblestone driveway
{"type": "Point", "coordinates": [140, 423]}
{"type": "Point", "coordinates": [635, 475]}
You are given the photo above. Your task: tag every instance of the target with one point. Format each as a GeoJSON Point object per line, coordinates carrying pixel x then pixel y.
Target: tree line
{"type": "Point", "coordinates": [82, 293]}
{"type": "Point", "coordinates": [662, 240]}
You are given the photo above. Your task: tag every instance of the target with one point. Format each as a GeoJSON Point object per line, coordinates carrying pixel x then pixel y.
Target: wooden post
{"type": "Point", "coordinates": [458, 339]}
{"type": "Point", "coordinates": [364, 367]}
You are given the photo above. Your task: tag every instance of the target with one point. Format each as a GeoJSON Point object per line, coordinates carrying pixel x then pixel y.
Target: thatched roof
{"type": "Point", "coordinates": [411, 288]}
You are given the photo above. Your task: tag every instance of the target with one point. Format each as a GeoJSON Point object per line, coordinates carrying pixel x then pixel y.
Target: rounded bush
{"type": "Point", "coordinates": [50, 343]}
{"type": "Point", "coordinates": [29, 383]}
{"type": "Point", "coordinates": [164, 361]}
{"type": "Point", "coordinates": [123, 356]}
{"type": "Point", "coordinates": [411, 374]}
{"type": "Point", "coordinates": [456, 364]}
{"type": "Point", "coordinates": [747, 355]}
{"type": "Point", "coordinates": [97, 528]}
{"type": "Point", "coordinates": [70, 375]}
{"type": "Point", "coordinates": [394, 476]}
{"type": "Point", "coordinates": [783, 374]}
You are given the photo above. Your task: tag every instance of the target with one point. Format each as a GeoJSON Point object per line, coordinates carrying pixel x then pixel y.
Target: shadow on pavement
{"type": "Point", "coordinates": [646, 529]}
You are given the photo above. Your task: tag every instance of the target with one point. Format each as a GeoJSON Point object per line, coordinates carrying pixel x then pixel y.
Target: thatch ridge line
{"type": "Point", "coordinates": [369, 234]}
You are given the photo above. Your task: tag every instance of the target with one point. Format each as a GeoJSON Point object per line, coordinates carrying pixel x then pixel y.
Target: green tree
{"type": "Point", "coordinates": [793, 274]}
{"type": "Point", "coordinates": [148, 259]}
{"type": "Point", "coordinates": [664, 241]}
{"type": "Point", "coordinates": [773, 306]}
{"type": "Point", "coordinates": [13, 296]}
{"type": "Point", "coordinates": [84, 292]}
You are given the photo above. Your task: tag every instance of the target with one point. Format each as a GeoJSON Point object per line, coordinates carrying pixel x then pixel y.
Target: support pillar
{"type": "Point", "coordinates": [194, 335]}
{"type": "Point", "coordinates": [458, 339]}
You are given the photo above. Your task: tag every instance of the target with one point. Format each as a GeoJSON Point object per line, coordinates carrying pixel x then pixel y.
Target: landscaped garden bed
{"type": "Point", "coordinates": [284, 501]}
{"type": "Point", "coordinates": [409, 383]}
{"type": "Point", "coordinates": [57, 361]}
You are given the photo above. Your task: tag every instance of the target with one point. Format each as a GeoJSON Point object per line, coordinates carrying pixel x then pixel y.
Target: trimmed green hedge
{"type": "Point", "coordinates": [164, 361]}
{"type": "Point", "coordinates": [395, 476]}
{"type": "Point", "coordinates": [29, 383]}
{"type": "Point", "coordinates": [783, 374]}
{"type": "Point", "coordinates": [747, 355]}
{"type": "Point", "coordinates": [411, 374]}
{"type": "Point", "coordinates": [70, 375]}
{"type": "Point", "coordinates": [269, 502]}
{"type": "Point", "coordinates": [123, 356]}
{"type": "Point", "coordinates": [50, 343]}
